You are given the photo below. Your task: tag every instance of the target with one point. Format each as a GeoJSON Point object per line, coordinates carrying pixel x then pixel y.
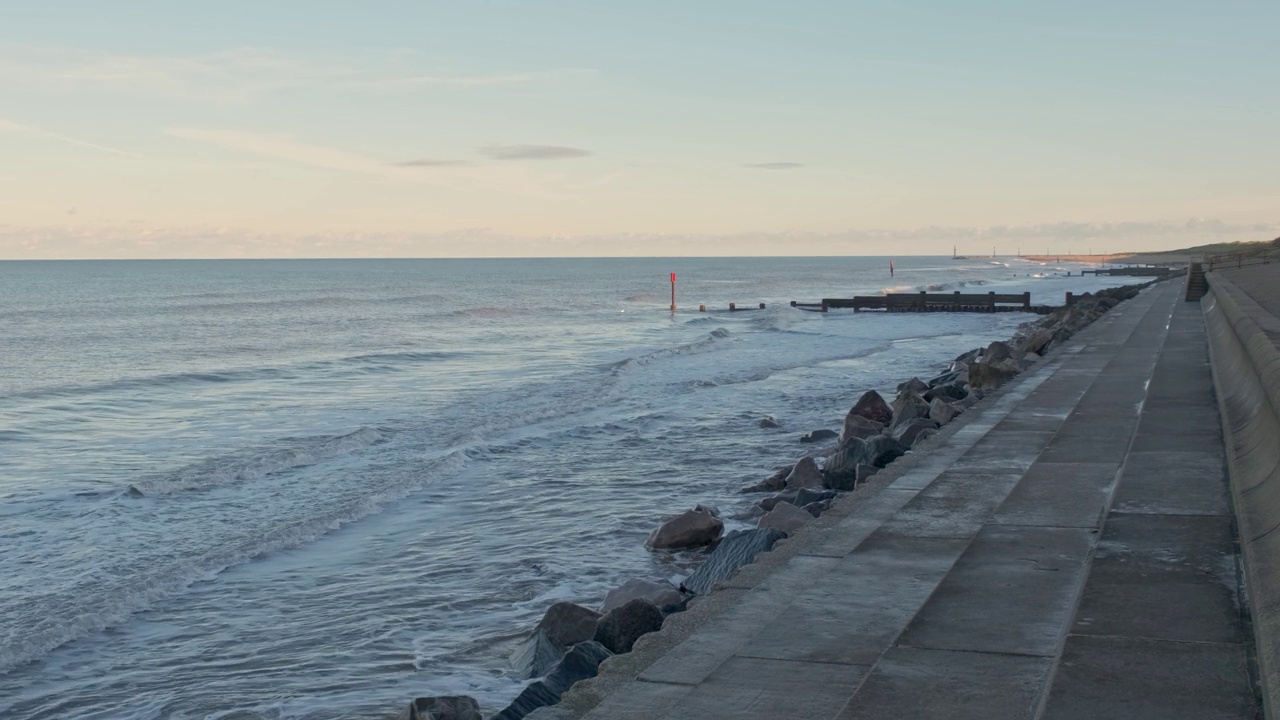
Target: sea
{"type": "Point", "coordinates": [320, 488]}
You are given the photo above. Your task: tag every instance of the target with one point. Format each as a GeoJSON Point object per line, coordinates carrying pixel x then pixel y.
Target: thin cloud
{"type": "Point", "coordinates": [532, 152]}
{"type": "Point", "coordinates": [10, 126]}
{"type": "Point", "coordinates": [507, 179]}
{"type": "Point", "coordinates": [775, 165]}
{"type": "Point", "coordinates": [284, 148]}
{"type": "Point", "coordinates": [481, 80]}
{"type": "Point", "coordinates": [428, 162]}
{"type": "Point", "coordinates": [237, 75]}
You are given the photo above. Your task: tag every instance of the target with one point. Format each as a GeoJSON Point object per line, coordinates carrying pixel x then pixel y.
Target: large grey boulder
{"type": "Point", "coordinates": [907, 407]}
{"type": "Point", "coordinates": [550, 712]}
{"type": "Point", "coordinates": [878, 451]}
{"type": "Point", "coordinates": [621, 627]}
{"type": "Point", "coordinates": [952, 391]}
{"type": "Point", "coordinates": [770, 503]}
{"type": "Point", "coordinates": [568, 624]}
{"type": "Point", "coordinates": [659, 594]}
{"type": "Point", "coordinates": [445, 707]}
{"type": "Point", "coordinates": [1038, 342]}
{"type": "Point", "coordinates": [942, 412]}
{"type": "Point", "coordinates": [817, 508]}
{"type": "Point", "coordinates": [563, 625]}
{"type": "Point", "coordinates": [873, 407]}
{"type": "Point", "coordinates": [785, 518]}
{"type": "Point", "coordinates": [998, 350]}
{"type": "Point", "coordinates": [913, 431]}
{"type": "Point", "coordinates": [690, 529]}
{"type": "Point", "coordinates": [536, 655]}
{"type": "Point", "coordinates": [738, 548]}
{"type": "Point", "coordinates": [819, 435]}
{"type": "Point", "coordinates": [773, 483]}
{"type": "Point", "coordinates": [805, 474]}
{"type": "Point", "coordinates": [811, 495]}
{"type": "Point", "coordinates": [989, 377]}
{"type": "Point", "coordinates": [581, 662]}
{"type": "Point", "coordinates": [856, 426]}
{"type": "Point", "coordinates": [842, 481]}
{"type": "Point", "coordinates": [942, 379]}
{"type": "Point", "coordinates": [769, 423]}
{"type": "Point", "coordinates": [864, 472]}
{"type": "Point", "coordinates": [915, 385]}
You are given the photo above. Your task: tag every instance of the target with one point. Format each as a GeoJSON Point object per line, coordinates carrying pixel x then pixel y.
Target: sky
{"type": "Point", "coordinates": [151, 128]}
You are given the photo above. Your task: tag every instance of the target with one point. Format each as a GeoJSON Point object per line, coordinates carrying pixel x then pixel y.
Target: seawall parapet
{"type": "Point", "coordinates": [1244, 346]}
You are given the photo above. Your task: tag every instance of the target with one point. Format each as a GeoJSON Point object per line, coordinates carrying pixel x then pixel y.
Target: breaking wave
{"type": "Point", "coordinates": [225, 471]}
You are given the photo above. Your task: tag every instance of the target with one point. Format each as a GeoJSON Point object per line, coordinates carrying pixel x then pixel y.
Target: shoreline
{"type": "Point", "coordinates": [561, 694]}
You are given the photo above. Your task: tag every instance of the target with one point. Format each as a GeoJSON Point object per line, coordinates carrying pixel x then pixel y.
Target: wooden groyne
{"type": "Point", "coordinates": [930, 302]}
{"type": "Point", "coordinates": [1156, 271]}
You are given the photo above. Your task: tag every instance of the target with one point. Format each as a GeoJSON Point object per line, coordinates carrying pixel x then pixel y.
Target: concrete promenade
{"type": "Point", "coordinates": [1069, 551]}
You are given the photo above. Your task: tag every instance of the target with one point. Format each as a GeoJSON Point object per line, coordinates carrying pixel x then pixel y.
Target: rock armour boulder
{"type": "Point", "coordinates": [454, 707]}
{"type": "Point", "coordinates": [687, 530]}
{"type": "Point", "coordinates": [812, 495]}
{"type": "Point", "coordinates": [773, 483]}
{"type": "Point", "coordinates": [819, 436]}
{"type": "Point", "coordinates": [536, 655]}
{"type": "Point", "coordinates": [581, 662]}
{"type": "Point", "coordinates": [997, 350]}
{"type": "Point", "coordinates": [785, 518]}
{"type": "Point", "coordinates": [856, 426]}
{"type": "Point", "coordinates": [913, 431]}
{"type": "Point", "coordinates": [738, 548]}
{"type": "Point", "coordinates": [878, 451]}
{"type": "Point", "coordinates": [989, 377]}
{"type": "Point", "coordinates": [567, 624]}
{"type": "Point", "coordinates": [805, 474]}
{"type": "Point", "coordinates": [863, 473]}
{"type": "Point", "coordinates": [621, 627]}
{"type": "Point", "coordinates": [942, 412]}
{"type": "Point", "coordinates": [915, 385]}
{"type": "Point", "coordinates": [873, 407]}
{"type": "Point", "coordinates": [659, 594]}
{"type": "Point", "coordinates": [950, 392]}
{"type": "Point", "coordinates": [907, 406]}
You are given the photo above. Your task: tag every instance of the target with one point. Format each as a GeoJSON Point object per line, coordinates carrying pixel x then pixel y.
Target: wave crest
{"type": "Point", "coordinates": [226, 471]}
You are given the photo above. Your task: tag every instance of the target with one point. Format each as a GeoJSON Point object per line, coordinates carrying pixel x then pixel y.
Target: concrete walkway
{"type": "Point", "coordinates": [1069, 552]}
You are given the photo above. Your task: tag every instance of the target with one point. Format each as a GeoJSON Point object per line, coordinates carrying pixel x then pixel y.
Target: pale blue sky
{"type": "Point", "coordinates": [600, 128]}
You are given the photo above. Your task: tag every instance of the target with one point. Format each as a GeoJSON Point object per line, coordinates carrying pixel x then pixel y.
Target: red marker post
{"type": "Point", "coordinates": [673, 292]}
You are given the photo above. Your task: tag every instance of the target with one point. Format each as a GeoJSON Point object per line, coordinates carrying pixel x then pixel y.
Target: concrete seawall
{"type": "Point", "coordinates": [1067, 549]}
{"type": "Point", "coordinates": [1243, 337]}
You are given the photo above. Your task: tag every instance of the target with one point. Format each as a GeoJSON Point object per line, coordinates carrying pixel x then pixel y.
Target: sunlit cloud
{"type": "Point", "coordinates": [532, 152]}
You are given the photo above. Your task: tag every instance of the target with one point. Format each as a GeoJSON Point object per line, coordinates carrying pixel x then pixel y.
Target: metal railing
{"type": "Point", "coordinates": [1238, 260]}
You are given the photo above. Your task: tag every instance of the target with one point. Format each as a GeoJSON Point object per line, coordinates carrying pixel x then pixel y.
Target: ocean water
{"type": "Point", "coordinates": [317, 489]}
